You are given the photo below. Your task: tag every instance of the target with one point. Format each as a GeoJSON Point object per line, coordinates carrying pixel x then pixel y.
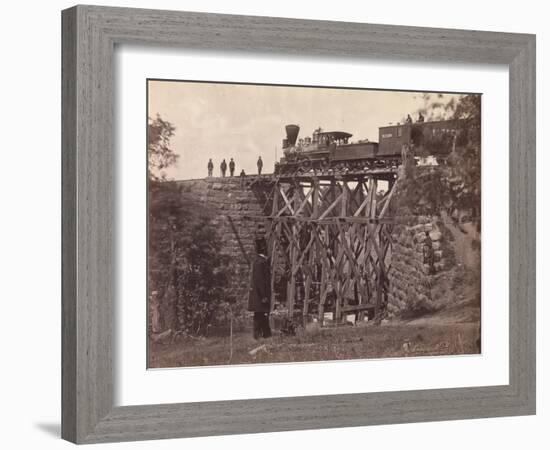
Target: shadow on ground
{"type": "Point", "coordinates": [53, 429]}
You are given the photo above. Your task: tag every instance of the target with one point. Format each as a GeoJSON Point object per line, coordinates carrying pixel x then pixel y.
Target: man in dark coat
{"type": "Point", "coordinates": [231, 167]}
{"type": "Point", "coordinates": [243, 179]}
{"type": "Point", "coordinates": [223, 167]}
{"type": "Point", "coordinates": [210, 167]}
{"type": "Point", "coordinates": [260, 164]}
{"type": "Point", "coordinates": [259, 295]}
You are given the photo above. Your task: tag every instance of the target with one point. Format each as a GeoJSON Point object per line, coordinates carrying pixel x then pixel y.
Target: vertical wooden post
{"type": "Point", "coordinates": [373, 199]}
{"type": "Point", "coordinates": [346, 269]}
{"type": "Point", "coordinates": [275, 237]}
{"type": "Point", "coordinates": [315, 198]}
{"type": "Point", "coordinates": [378, 268]}
{"type": "Point", "coordinates": [324, 279]}
{"type": "Point", "coordinates": [367, 214]}
{"type": "Point", "coordinates": [369, 195]}
{"type": "Point", "coordinates": [332, 191]}
{"type": "Point", "coordinates": [312, 252]}
{"type": "Point", "coordinates": [291, 289]}
{"type": "Point", "coordinates": [322, 292]}
{"type": "Point", "coordinates": [307, 288]}
{"type": "Point", "coordinates": [274, 262]}
{"type": "Point", "coordinates": [275, 205]}
{"type": "Point", "coordinates": [338, 308]}
{"type": "Point", "coordinates": [293, 259]}
{"type": "Point", "coordinates": [344, 201]}
{"type": "Point", "coordinates": [378, 290]}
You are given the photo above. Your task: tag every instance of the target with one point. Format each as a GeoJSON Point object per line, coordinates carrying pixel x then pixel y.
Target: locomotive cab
{"type": "Point", "coordinates": [330, 138]}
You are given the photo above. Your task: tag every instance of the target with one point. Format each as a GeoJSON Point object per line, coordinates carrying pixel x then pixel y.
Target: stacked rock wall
{"type": "Point", "coordinates": [411, 276]}
{"type": "Point", "coordinates": [235, 211]}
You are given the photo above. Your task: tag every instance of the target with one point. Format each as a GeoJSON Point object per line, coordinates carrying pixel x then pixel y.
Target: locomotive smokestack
{"type": "Point", "coordinates": [292, 134]}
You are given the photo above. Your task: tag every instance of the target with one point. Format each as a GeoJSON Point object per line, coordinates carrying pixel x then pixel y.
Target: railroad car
{"type": "Point", "coordinates": [428, 138]}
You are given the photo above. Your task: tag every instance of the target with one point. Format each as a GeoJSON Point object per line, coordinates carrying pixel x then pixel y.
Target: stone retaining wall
{"type": "Point", "coordinates": [410, 277]}
{"type": "Point", "coordinates": [236, 212]}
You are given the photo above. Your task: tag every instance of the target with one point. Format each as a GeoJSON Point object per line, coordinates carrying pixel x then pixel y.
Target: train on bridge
{"type": "Point", "coordinates": [332, 152]}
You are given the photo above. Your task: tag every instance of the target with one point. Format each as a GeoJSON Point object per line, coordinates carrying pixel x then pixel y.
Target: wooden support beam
{"type": "Point", "coordinates": [305, 253]}
{"type": "Point", "coordinates": [275, 205]}
{"type": "Point", "coordinates": [324, 221]}
{"type": "Point", "coordinates": [274, 261]}
{"type": "Point", "coordinates": [363, 204]}
{"type": "Point", "coordinates": [291, 291]}
{"type": "Point", "coordinates": [358, 308]}
{"type": "Point", "coordinates": [322, 291]}
{"type": "Point", "coordinates": [356, 196]}
{"type": "Point", "coordinates": [288, 205]}
{"type": "Point", "coordinates": [372, 209]}
{"type": "Point", "coordinates": [344, 200]}
{"type": "Point", "coordinates": [315, 198]}
{"type": "Point", "coordinates": [369, 195]}
{"type": "Point", "coordinates": [387, 204]}
{"type": "Point", "coordinates": [347, 251]}
{"type": "Point", "coordinates": [304, 202]}
{"type": "Point", "coordinates": [339, 300]}
{"type": "Point", "coordinates": [342, 248]}
{"type": "Point", "coordinates": [331, 207]}
{"type": "Point", "coordinates": [307, 288]}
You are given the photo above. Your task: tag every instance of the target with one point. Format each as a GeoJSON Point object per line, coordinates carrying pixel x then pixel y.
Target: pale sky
{"type": "Point", "coordinates": [244, 121]}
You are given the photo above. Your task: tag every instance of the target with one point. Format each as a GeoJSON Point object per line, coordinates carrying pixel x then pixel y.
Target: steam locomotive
{"type": "Point", "coordinates": [328, 152]}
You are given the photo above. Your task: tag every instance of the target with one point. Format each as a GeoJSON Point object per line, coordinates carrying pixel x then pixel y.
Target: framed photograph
{"type": "Point", "coordinates": [279, 224]}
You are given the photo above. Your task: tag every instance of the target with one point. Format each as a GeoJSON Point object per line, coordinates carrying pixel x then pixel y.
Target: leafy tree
{"type": "Point", "coordinates": [457, 184]}
{"type": "Point", "coordinates": [166, 229]}
{"type": "Point", "coordinates": [468, 107]}
{"type": "Point", "coordinates": [201, 281]}
{"type": "Point", "coordinates": [159, 154]}
{"type": "Point", "coordinates": [434, 107]}
{"type": "Point", "coordinates": [186, 266]}
{"type": "Point", "coordinates": [465, 162]}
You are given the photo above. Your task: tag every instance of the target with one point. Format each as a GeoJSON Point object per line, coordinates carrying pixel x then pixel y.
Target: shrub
{"type": "Point", "coordinates": [201, 280]}
{"type": "Point", "coordinates": [186, 266]}
{"type": "Point", "coordinates": [418, 305]}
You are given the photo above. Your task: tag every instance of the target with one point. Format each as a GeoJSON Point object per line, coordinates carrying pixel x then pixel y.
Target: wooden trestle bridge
{"type": "Point", "coordinates": [330, 240]}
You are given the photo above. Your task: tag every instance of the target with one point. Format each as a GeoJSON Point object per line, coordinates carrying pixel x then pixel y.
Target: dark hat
{"type": "Point", "coordinates": [261, 245]}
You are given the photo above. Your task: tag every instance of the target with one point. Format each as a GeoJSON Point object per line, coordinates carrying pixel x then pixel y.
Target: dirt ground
{"type": "Point", "coordinates": [388, 340]}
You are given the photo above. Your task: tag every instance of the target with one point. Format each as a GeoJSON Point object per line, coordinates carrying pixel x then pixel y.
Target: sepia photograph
{"type": "Point", "coordinates": [291, 224]}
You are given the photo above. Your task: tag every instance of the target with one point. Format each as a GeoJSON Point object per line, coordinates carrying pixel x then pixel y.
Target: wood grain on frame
{"type": "Point", "coordinates": [89, 37]}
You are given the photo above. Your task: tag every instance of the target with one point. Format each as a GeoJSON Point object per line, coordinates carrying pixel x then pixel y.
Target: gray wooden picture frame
{"type": "Point", "coordinates": [90, 34]}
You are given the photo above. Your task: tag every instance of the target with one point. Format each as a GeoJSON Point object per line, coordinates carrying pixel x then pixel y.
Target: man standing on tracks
{"type": "Point", "coordinates": [231, 167]}
{"type": "Point", "coordinates": [259, 294]}
{"type": "Point", "coordinates": [260, 164]}
{"type": "Point", "coordinates": [210, 167]}
{"type": "Point", "coordinates": [223, 167]}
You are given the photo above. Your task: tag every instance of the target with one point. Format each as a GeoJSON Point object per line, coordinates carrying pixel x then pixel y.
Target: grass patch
{"type": "Point", "coordinates": [326, 344]}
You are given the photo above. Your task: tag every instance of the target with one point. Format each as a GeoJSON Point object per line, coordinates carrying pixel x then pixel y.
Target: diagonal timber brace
{"type": "Point", "coordinates": [330, 243]}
